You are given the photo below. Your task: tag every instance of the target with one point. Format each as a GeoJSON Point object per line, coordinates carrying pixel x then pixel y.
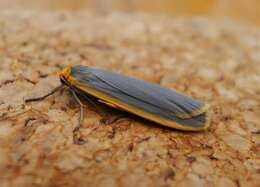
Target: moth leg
{"type": "Point", "coordinates": [112, 119]}
{"type": "Point", "coordinates": [76, 136]}
{"type": "Point", "coordinates": [44, 96]}
{"type": "Point", "coordinates": [95, 105]}
{"type": "Point", "coordinates": [104, 109]}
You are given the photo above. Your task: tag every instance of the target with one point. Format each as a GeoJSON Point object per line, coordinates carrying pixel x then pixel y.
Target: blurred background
{"type": "Point", "coordinates": [246, 11]}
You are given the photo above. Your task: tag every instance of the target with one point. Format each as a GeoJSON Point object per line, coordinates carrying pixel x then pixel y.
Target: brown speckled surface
{"type": "Point", "coordinates": [218, 62]}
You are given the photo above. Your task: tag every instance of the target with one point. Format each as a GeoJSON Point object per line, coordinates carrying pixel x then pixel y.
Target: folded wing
{"type": "Point", "coordinates": [146, 96]}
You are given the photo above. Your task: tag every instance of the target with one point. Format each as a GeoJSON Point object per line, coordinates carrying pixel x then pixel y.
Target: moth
{"type": "Point", "coordinates": [144, 99]}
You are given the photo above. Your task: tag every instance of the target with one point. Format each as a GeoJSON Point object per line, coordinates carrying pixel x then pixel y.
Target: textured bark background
{"type": "Point", "coordinates": [218, 62]}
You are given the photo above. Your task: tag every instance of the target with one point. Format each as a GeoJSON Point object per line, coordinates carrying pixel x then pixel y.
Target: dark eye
{"type": "Point", "coordinates": [62, 80]}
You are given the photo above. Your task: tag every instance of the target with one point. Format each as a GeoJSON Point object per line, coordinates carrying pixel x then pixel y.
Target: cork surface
{"type": "Point", "coordinates": [218, 62]}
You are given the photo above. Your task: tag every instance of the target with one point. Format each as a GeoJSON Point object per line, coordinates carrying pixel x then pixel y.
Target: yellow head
{"type": "Point", "coordinates": [65, 73]}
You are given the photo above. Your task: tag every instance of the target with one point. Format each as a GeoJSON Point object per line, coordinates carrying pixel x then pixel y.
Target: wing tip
{"type": "Point", "coordinates": [207, 119]}
{"type": "Point", "coordinates": [194, 113]}
{"type": "Point", "coordinates": [204, 110]}
{"type": "Point", "coordinates": [197, 126]}
{"type": "Point", "coordinates": [201, 110]}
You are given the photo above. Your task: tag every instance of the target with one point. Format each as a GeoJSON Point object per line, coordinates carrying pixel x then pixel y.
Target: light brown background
{"type": "Point", "coordinates": [241, 10]}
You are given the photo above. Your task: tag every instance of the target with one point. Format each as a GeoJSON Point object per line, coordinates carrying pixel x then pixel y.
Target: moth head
{"type": "Point", "coordinates": [65, 73]}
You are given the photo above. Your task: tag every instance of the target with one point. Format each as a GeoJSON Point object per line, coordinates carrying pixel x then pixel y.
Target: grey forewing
{"type": "Point", "coordinates": [143, 95]}
{"type": "Point", "coordinates": [153, 94]}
